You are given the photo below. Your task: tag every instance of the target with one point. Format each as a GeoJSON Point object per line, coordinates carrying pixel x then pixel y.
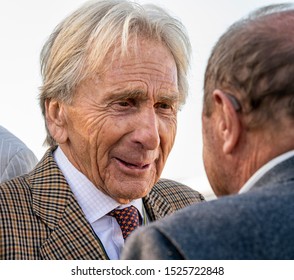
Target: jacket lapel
{"type": "Point", "coordinates": [156, 205]}
{"type": "Point", "coordinates": [71, 235]}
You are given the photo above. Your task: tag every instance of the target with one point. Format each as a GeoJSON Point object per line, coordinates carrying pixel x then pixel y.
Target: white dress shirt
{"type": "Point", "coordinates": [265, 168]}
{"type": "Point", "coordinates": [95, 205]}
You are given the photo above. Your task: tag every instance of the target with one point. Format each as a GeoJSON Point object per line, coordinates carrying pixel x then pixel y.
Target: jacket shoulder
{"type": "Point", "coordinates": [176, 194]}
{"type": "Point", "coordinates": [15, 189]}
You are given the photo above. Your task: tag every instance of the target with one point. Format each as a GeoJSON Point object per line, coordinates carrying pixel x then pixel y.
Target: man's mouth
{"type": "Point", "coordinates": [133, 165]}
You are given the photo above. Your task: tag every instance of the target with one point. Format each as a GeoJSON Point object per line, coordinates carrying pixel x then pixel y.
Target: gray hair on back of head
{"type": "Point", "coordinates": [254, 61]}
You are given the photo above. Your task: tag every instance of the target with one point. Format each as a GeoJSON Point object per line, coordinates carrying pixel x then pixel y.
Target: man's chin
{"type": "Point", "coordinates": [131, 192]}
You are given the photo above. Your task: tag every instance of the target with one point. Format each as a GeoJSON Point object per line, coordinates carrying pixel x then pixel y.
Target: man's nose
{"type": "Point", "coordinates": [146, 131]}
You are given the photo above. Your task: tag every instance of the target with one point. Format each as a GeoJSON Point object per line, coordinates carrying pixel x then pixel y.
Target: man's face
{"type": "Point", "coordinates": [121, 125]}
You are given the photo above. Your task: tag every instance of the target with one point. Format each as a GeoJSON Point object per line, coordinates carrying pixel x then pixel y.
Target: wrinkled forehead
{"type": "Point", "coordinates": [138, 50]}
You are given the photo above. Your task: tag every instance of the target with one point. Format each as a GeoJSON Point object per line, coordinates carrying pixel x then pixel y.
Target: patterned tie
{"type": "Point", "coordinates": [127, 218]}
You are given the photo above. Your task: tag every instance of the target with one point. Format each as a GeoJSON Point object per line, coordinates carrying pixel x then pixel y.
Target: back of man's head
{"type": "Point", "coordinates": [248, 112]}
{"type": "Point", "coordinates": [254, 60]}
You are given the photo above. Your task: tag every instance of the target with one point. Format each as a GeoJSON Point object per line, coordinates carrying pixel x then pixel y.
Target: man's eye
{"type": "Point", "coordinates": [164, 106]}
{"type": "Point", "coordinates": [124, 103]}
{"type": "Point", "coordinates": [127, 103]}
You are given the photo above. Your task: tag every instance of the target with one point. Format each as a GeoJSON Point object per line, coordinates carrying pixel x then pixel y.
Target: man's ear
{"type": "Point", "coordinates": [229, 125]}
{"type": "Point", "coordinates": [56, 121]}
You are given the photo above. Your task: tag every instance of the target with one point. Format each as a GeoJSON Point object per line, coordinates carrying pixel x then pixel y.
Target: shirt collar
{"type": "Point", "coordinates": [264, 169]}
{"type": "Point", "coordinates": [94, 203]}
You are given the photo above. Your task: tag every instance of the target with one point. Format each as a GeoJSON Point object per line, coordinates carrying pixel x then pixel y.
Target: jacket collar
{"type": "Point", "coordinates": [156, 205]}
{"type": "Point", "coordinates": [278, 175]}
{"type": "Point", "coordinates": [50, 191]}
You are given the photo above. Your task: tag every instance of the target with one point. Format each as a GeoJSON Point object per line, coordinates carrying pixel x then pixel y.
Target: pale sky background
{"type": "Point", "coordinates": [24, 27]}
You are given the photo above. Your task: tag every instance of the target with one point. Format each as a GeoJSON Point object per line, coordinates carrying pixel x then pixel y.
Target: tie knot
{"type": "Point", "coordinates": [127, 218]}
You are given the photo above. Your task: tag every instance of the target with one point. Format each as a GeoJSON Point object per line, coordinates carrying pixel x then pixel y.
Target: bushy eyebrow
{"type": "Point", "coordinates": [127, 94]}
{"type": "Point", "coordinates": [172, 97]}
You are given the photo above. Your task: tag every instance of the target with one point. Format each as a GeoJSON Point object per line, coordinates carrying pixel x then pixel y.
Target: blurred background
{"type": "Point", "coordinates": [24, 28]}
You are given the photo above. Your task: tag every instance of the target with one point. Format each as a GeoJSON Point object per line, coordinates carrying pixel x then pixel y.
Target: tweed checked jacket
{"type": "Point", "coordinates": [41, 219]}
